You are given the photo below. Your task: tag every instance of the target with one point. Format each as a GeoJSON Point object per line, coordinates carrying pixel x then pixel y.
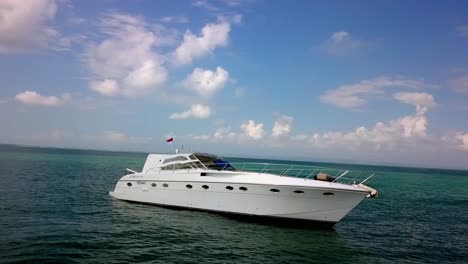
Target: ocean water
{"type": "Point", "coordinates": [55, 208]}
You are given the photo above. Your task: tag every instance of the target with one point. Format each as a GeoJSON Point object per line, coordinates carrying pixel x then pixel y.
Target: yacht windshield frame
{"type": "Point", "coordinates": [214, 162]}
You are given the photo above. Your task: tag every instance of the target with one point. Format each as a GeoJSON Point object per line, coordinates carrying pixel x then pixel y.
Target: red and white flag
{"type": "Point", "coordinates": [170, 140]}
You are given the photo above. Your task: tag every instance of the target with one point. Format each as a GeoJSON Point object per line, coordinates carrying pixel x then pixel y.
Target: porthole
{"type": "Point", "coordinates": [165, 185]}
{"type": "Point", "coordinates": [206, 187]}
{"type": "Point", "coordinates": [243, 188]}
{"type": "Point", "coordinates": [189, 186]}
{"type": "Point", "coordinates": [328, 193]}
{"type": "Point", "coordinates": [274, 190]}
{"type": "Point", "coordinates": [229, 188]}
{"type": "Point", "coordinates": [129, 184]}
{"type": "Point", "coordinates": [153, 184]}
{"type": "Point", "coordinates": [298, 191]}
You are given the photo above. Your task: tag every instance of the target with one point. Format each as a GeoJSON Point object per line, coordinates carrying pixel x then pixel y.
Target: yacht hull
{"type": "Point", "coordinates": [300, 204]}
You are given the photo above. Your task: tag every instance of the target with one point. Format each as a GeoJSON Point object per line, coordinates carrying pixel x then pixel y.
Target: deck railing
{"type": "Point", "coordinates": [285, 170]}
{"type": "Point", "coordinates": [307, 171]}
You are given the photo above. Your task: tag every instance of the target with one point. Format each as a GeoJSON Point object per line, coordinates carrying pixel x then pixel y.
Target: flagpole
{"type": "Point", "coordinates": [170, 140]}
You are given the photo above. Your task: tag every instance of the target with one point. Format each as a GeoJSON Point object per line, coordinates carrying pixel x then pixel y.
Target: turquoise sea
{"type": "Point", "coordinates": [55, 208]}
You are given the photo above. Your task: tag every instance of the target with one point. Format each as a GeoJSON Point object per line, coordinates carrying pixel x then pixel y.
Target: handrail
{"type": "Point", "coordinates": [346, 172]}
{"type": "Point", "coordinates": [280, 169]}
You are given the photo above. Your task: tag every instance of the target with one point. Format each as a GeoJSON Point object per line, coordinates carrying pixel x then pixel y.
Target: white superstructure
{"type": "Point", "coordinates": [206, 182]}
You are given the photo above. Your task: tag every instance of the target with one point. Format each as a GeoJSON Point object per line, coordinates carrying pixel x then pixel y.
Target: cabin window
{"type": "Point", "coordinates": [189, 186]}
{"type": "Point", "coordinates": [175, 159]}
{"type": "Point", "coordinates": [168, 167]}
{"type": "Point", "coordinates": [298, 191]}
{"type": "Point", "coordinates": [214, 162]}
{"type": "Point", "coordinates": [165, 185]}
{"type": "Point", "coordinates": [129, 184]}
{"type": "Point", "coordinates": [229, 188]}
{"type": "Point", "coordinates": [243, 188]}
{"type": "Point", "coordinates": [328, 193]}
{"type": "Point", "coordinates": [199, 165]}
{"type": "Point", "coordinates": [274, 190]}
{"type": "Point", "coordinates": [182, 166]}
{"type": "Point", "coordinates": [206, 187]}
{"type": "Point", "coordinates": [153, 184]}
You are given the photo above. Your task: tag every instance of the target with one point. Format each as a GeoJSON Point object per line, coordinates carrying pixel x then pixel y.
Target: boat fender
{"type": "Point", "coordinates": [373, 193]}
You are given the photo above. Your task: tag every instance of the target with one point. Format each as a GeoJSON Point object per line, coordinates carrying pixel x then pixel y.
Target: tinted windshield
{"type": "Point", "coordinates": [214, 162]}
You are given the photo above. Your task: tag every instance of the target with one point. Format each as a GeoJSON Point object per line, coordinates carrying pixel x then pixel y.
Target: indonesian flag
{"type": "Point", "coordinates": [170, 140]}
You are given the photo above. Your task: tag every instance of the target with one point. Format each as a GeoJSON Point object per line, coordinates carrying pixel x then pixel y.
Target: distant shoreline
{"type": "Point", "coordinates": [298, 159]}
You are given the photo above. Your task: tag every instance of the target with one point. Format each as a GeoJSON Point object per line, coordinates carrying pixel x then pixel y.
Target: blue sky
{"type": "Point", "coordinates": [381, 82]}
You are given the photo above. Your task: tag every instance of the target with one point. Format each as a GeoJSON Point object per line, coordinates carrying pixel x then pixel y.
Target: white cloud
{"type": "Point", "coordinates": [224, 132]}
{"type": "Point", "coordinates": [105, 87]}
{"type": "Point", "coordinates": [34, 98]}
{"type": "Point", "coordinates": [462, 140]}
{"type": "Point", "coordinates": [352, 95]}
{"type": "Point", "coordinates": [175, 19]}
{"type": "Point", "coordinates": [407, 133]}
{"type": "Point", "coordinates": [282, 126]}
{"type": "Point", "coordinates": [462, 30]}
{"type": "Point", "coordinates": [212, 35]}
{"type": "Point", "coordinates": [24, 24]}
{"type": "Point", "coordinates": [199, 111]}
{"type": "Point", "coordinates": [205, 4]}
{"type": "Point", "coordinates": [339, 37]}
{"type": "Point", "coordinates": [206, 82]}
{"type": "Point", "coordinates": [460, 84]}
{"type": "Point", "coordinates": [423, 101]}
{"type": "Point", "coordinates": [126, 61]}
{"type": "Point", "coordinates": [253, 130]}
{"type": "Point", "coordinates": [341, 43]}
{"type": "Point", "coordinates": [400, 132]}
{"type": "Point", "coordinates": [147, 75]}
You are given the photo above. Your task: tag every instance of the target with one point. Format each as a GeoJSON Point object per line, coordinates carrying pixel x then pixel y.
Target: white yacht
{"type": "Point", "coordinates": [276, 192]}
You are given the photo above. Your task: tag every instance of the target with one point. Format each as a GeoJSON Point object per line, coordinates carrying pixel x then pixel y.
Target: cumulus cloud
{"type": "Point", "coordinates": [212, 35]}
{"type": "Point", "coordinates": [341, 43]}
{"type": "Point", "coordinates": [25, 24]}
{"type": "Point", "coordinates": [253, 130]}
{"type": "Point", "coordinates": [353, 95]}
{"type": "Point", "coordinates": [282, 126]}
{"type": "Point", "coordinates": [126, 62]}
{"type": "Point", "coordinates": [35, 98]}
{"type": "Point", "coordinates": [399, 132]}
{"type": "Point", "coordinates": [423, 101]}
{"type": "Point", "coordinates": [199, 111]}
{"type": "Point", "coordinates": [206, 82]}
